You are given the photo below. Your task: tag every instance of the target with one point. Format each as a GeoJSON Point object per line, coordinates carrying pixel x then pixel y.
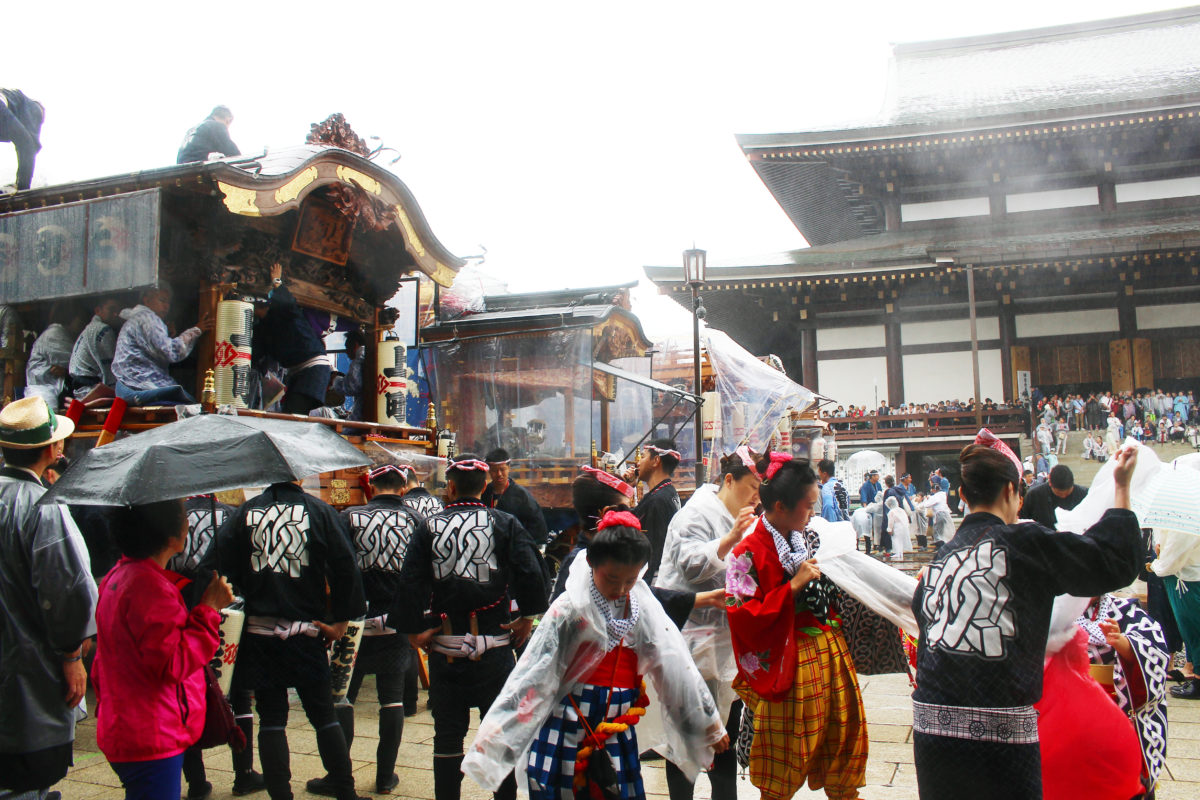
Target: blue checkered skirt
{"type": "Point", "coordinates": [551, 767]}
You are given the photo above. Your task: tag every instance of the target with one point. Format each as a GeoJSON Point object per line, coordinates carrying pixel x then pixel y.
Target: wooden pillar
{"type": "Point", "coordinates": [1121, 359]}
{"type": "Point", "coordinates": [369, 399]}
{"type": "Point", "coordinates": [891, 215]}
{"type": "Point", "coordinates": [895, 363]}
{"type": "Point", "coordinates": [808, 358]}
{"type": "Point", "coordinates": [604, 434]}
{"type": "Point", "coordinates": [1008, 334]}
{"type": "Point", "coordinates": [208, 297]}
{"type": "Point", "coordinates": [1108, 196]}
{"type": "Point", "coordinates": [1127, 313]}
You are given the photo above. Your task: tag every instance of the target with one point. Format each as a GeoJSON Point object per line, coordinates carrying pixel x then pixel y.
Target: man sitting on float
{"type": "Point", "coordinates": [145, 352]}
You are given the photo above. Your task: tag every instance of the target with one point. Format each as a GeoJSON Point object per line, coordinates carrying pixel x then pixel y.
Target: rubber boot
{"type": "Point", "coordinates": [245, 779]}
{"type": "Point", "coordinates": [335, 757]}
{"type": "Point", "coordinates": [193, 772]}
{"type": "Point", "coordinates": [275, 758]}
{"type": "Point", "coordinates": [391, 731]}
{"type": "Point", "coordinates": [447, 777]}
{"type": "Point", "coordinates": [326, 786]}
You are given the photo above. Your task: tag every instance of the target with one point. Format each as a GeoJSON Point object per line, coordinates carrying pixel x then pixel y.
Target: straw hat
{"type": "Point", "coordinates": [28, 424]}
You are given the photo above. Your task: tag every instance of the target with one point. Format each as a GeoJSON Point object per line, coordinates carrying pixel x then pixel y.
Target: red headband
{"type": "Point", "coordinates": [662, 452]}
{"type": "Point", "coordinates": [988, 439]}
{"type": "Point", "coordinates": [469, 464]}
{"type": "Point", "coordinates": [402, 469]}
{"type": "Point", "coordinates": [612, 481]}
{"type": "Point", "coordinates": [777, 461]}
{"type": "Point", "coordinates": [624, 518]}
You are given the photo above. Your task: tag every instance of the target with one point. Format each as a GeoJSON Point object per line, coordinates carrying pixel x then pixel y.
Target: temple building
{"type": "Point", "coordinates": [1057, 170]}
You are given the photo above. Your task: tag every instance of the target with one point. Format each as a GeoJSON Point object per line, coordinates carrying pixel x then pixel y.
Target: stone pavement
{"type": "Point", "coordinates": [890, 773]}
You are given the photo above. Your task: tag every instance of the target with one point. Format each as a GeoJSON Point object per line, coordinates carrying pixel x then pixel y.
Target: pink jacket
{"type": "Point", "coordinates": [149, 667]}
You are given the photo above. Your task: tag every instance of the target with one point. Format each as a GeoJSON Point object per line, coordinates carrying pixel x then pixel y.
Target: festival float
{"type": "Point", "coordinates": [348, 233]}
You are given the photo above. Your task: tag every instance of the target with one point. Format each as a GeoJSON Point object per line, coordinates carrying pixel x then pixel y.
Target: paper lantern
{"type": "Point", "coordinates": [342, 656]}
{"type": "Point", "coordinates": [231, 359]}
{"type": "Point", "coordinates": [229, 638]}
{"type": "Point", "coordinates": [391, 385]}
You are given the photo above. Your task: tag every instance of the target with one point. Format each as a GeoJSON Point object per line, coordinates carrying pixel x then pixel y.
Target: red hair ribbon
{"type": "Point", "coordinates": [610, 480]}
{"type": "Point", "coordinates": [469, 464]}
{"type": "Point", "coordinates": [743, 453]}
{"type": "Point", "coordinates": [403, 470]}
{"type": "Point", "coordinates": [659, 451]}
{"type": "Point", "coordinates": [777, 461]}
{"type": "Point", "coordinates": [625, 518]}
{"type": "Point", "coordinates": [988, 439]}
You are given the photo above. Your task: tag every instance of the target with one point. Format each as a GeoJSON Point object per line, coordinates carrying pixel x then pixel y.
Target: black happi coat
{"type": "Point", "coordinates": [422, 502]}
{"type": "Point", "coordinates": [467, 558]}
{"type": "Point", "coordinates": [517, 500]}
{"type": "Point", "coordinates": [280, 549]}
{"type": "Point", "coordinates": [984, 604]}
{"type": "Point", "coordinates": [379, 533]}
{"type": "Point", "coordinates": [655, 512]}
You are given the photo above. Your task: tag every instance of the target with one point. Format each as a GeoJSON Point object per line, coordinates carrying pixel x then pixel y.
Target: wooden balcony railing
{"type": "Point", "coordinates": [941, 423]}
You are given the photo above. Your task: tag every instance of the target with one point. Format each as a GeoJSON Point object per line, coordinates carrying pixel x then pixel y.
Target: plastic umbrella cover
{"type": "Point", "coordinates": [210, 453]}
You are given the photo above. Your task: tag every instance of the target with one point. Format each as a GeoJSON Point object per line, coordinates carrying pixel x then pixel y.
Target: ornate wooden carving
{"type": "Point", "coordinates": [356, 204]}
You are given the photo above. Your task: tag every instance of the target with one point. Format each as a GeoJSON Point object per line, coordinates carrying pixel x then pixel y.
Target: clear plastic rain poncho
{"type": "Point", "coordinates": [568, 643]}
{"type": "Point", "coordinates": [1100, 498]}
{"type": "Point", "coordinates": [690, 564]}
{"type": "Point", "coordinates": [885, 590]}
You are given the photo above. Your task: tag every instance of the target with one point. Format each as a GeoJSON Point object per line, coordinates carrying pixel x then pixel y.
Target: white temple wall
{"type": "Point", "coordinates": [852, 380]}
{"type": "Point", "coordinates": [934, 377]}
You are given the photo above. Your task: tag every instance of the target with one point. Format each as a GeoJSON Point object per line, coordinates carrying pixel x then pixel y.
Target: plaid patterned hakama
{"type": "Point", "coordinates": [551, 767]}
{"type": "Point", "coordinates": [818, 732]}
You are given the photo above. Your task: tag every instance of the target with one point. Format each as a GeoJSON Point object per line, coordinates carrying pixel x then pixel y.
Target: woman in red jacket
{"type": "Point", "coordinates": [150, 654]}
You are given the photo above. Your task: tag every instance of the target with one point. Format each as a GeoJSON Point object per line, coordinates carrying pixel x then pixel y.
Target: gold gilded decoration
{"type": "Point", "coordinates": [444, 276]}
{"type": "Point", "coordinates": [339, 492]}
{"type": "Point", "coordinates": [617, 337]}
{"type": "Point", "coordinates": [322, 231]}
{"type": "Point", "coordinates": [410, 235]}
{"type": "Point", "coordinates": [240, 201]}
{"type": "Point", "coordinates": [368, 184]}
{"type": "Point", "coordinates": [291, 190]}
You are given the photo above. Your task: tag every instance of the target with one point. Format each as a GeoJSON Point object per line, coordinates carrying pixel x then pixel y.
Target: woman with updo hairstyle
{"type": "Point", "coordinates": [794, 668]}
{"type": "Point", "coordinates": [983, 607]}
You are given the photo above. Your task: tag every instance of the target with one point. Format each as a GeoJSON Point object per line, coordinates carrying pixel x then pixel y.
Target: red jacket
{"type": "Point", "coordinates": [764, 623]}
{"type": "Point", "coordinates": [149, 667]}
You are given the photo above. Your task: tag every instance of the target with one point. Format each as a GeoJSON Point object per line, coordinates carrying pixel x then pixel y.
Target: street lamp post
{"type": "Point", "coordinates": [694, 265]}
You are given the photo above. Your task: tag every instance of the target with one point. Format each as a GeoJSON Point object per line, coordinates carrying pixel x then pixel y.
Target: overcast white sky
{"type": "Point", "coordinates": [576, 142]}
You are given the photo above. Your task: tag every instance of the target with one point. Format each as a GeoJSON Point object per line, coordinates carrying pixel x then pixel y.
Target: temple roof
{"type": "Point", "coordinates": [1142, 62]}
{"type": "Point", "coordinates": [1005, 242]}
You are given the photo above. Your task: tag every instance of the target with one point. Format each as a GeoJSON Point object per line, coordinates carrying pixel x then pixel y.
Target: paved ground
{"type": "Point", "coordinates": [889, 769]}
{"type": "Point", "coordinates": [890, 773]}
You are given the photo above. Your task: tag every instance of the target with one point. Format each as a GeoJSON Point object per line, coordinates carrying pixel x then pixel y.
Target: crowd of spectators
{"type": "Point", "coordinates": [1150, 416]}
{"type": "Point", "coordinates": [914, 414]}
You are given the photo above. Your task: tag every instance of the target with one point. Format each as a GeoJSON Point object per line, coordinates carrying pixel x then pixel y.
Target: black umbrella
{"type": "Point", "coordinates": [200, 455]}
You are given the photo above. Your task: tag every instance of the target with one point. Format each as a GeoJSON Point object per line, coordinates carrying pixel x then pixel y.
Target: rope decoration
{"type": "Point", "coordinates": [597, 737]}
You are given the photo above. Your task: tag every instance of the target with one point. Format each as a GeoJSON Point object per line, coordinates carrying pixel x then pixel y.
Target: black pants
{"type": "Point", "coordinates": [317, 699]}
{"type": "Point", "coordinates": [454, 689]}
{"type": "Point", "coordinates": [41, 769]}
{"type": "Point", "coordinates": [723, 773]}
{"type": "Point", "coordinates": [950, 769]}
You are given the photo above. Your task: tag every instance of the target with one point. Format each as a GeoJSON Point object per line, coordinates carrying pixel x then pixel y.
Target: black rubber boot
{"type": "Point", "coordinates": [411, 681]}
{"type": "Point", "coordinates": [335, 757]}
{"type": "Point", "coordinates": [193, 772]}
{"type": "Point", "coordinates": [447, 777]}
{"type": "Point", "coordinates": [391, 731]}
{"type": "Point", "coordinates": [276, 762]}
{"type": "Point", "coordinates": [327, 786]}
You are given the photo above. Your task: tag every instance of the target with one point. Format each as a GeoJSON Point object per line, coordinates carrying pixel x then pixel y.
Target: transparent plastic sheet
{"type": "Point", "coordinates": [859, 464]}
{"type": "Point", "coordinates": [426, 466]}
{"type": "Point", "coordinates": [631, 413]}
{"type": "Point", "coordinates": [885, 590]}
{"type": "Point", "coordinates": [465, 295]}
{"type": "Point", "coordinates": [1100, 497]}
{"type": "Point", "coordinates": [753, 395]}
{"type": "Point", "coordinates": [528, 393]}
{"type": "Point", "coordinates": [566, 645]}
